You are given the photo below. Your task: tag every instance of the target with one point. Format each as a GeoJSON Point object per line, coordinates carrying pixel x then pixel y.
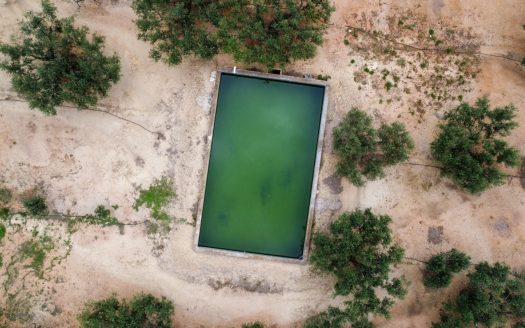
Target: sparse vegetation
{"type": "Point", "coordinates": [36, 249]}
{"type": "Point", "coordinates": [253, 325]}
{"type": "Point", "coordinates": [142, 311]}
{"type": "Point", "coordinates": [2, 231]}
{"type": "Point", "coordinates": [442, 266]}
{"type": "Point", "coordinates": [492, 297]}
{"type": "Point", "coordinates": [158, 195]}
{"type": "Point", "coordinates": [364, 151]}
{"type": "Point", "coordinates": [101, 217]}
{"type": "Point", "coordinates": [263, 31]}
{"type": "Point", "coordinates": [52, 62]}
{"type": "Point", "coordinates": [5, 195]}
{"type": "Point", "coordinates": [468, 147]}
{"type": "Point", "coordinates": [360, 252]}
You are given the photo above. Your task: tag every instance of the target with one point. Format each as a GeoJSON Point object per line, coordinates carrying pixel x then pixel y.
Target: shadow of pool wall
{"type": "Point", "coordinates": [314, 186]}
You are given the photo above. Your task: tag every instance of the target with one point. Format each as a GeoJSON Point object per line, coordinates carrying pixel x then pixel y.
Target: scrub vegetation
{"type": "Point", "coordinates": [360, 252]}
{"type": "Point", "coordinates": [269, 32]}
{"type": "Point", "coordinates": [364, 151]}
{"type": "Point", "coordinates": [468, 147]}
{"type": "Point", "coordinates": [156, 197]}
{"type": "Point", "coordinates": [52, 62]}
{"type": "Point", "coordinates": [142, 311]}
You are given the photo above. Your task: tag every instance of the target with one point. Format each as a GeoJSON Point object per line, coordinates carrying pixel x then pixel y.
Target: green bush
{"type": "Point", "coordinates": [158, 195]}
{"type": "Point", "coordinates": [142, 311]}
{"type": "Point", "coordinates": [364, 151]}
{"type": "Point", "coordinates": [52, 62]}
{"type": "Point", "coordinates": [360, 252]}
{"type": "Point", "coordinates": [492, 297]}
{"type": "Point", "coordinates": [35, 205]}
{"type": "Point", "coordinates": [254, 31]}
{"type": "Point", "coordinates": [441, 267]}
{"type": "Point", "coordinates": [468, 148]}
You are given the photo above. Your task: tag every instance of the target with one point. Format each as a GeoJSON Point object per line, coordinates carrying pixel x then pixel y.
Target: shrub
{"type": "Point", "coordinates": [468, 148]}
{"type": "Point", "coordinates": [364, 151]}
{"type": "Point", "coordinates": [360, 252]}
{"type": "Point", "coordinates": [142, 311]}
{"type": "Point", "coordinates": [35, 205]}
{"type": "Point", "coordinates": [441, 267]}
{"type": "Point", "coordinates": [253, 31]}
{"type": "Point", "coordinates": [156, 197]}
{"type": "Point", "coordinates": [52, 62]}
{"type": "Point", "coordinates": [492, 297]}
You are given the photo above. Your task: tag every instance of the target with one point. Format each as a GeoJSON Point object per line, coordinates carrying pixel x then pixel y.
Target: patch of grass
{"type": "Point", "coordinates": [158, 195]}
{"type": "Point", "coordinates": [35, 205]}
{"type": "Point", "coordinates": [5, 195]}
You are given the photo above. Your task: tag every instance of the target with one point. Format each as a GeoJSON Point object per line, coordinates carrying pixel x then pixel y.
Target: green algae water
{"type": "Point", "coordinates": [261, 166]}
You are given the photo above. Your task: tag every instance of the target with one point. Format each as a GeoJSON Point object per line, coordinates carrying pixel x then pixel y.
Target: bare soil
{"type": "Point", "coordinates": [83, 158]}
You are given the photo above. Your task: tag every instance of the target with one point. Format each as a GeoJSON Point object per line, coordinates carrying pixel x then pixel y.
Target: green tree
{"type": "Point", "coordinates": [360, 252]}
{"type": "Point", "coordinates": [178, 28]}
{"type": "Point", "coordinates": [442, 266]}
{"type": "Point", "coordinates": [468, 148]}
{"type": "Point", "coordinates": [273, 32]}
{"type": "Point", "coordinates": [142, 311]}
{"type": "Point", "coordinates": [364, 151]}
{"type": "Point", "coordinates": [52, 62]}
{"type": "Point", "coordinates": [270, 32]}
{"type": "Point", "coordinates": [492, 297]}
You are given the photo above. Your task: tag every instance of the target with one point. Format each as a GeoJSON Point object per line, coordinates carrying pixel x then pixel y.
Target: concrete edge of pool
{"type": "Point", "coordinates": [314, 189]}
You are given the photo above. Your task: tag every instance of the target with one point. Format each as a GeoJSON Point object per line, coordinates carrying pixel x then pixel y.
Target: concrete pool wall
{"type": "Point", "coordinates": [314, 185]}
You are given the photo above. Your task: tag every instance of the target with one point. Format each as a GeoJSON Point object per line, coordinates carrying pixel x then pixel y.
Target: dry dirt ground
{"type": "Point", "coordinates": [83, 158]}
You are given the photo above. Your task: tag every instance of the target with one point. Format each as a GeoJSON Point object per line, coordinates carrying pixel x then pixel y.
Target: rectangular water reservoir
{"type": "Point", "coordinates": [263, 164]}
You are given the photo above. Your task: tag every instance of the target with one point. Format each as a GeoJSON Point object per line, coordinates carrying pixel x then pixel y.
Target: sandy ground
{"type": "Point", "coordinates": [82, 159]}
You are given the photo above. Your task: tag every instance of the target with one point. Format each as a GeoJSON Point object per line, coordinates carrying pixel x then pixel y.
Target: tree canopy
{"type": "Point", "coordinates": [468, 146]}
{"type": "Point", "coordinates": [364, 151]}
{"type": "Point", "coordinates": [270, 32]}
{"type": "Point", "coordinates": [142, 311]}
{"type": "Point", "coordinates": [441, 267]}
{"type": "Point", "coordinates": [360, 252]}
{"type": "Point", "coordinates": [52, 62]}
{"type": "Point", "coordinates": [492, 297]}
